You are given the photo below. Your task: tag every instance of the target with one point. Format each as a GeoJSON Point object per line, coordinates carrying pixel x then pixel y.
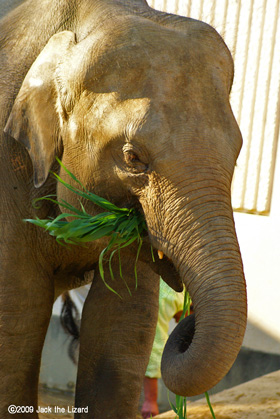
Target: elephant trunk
{"type": "Point", "coordinates": [202, 244]}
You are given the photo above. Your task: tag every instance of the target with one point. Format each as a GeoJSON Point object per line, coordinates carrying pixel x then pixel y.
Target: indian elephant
{"type": "Point", "coordinates": [135, 102]}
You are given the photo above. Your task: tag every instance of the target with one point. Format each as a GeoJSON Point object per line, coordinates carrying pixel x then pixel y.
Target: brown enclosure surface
{"type": "Point", "coordinates": [259, 398]}
{"type": "Point", "coordinates": [53, 399]}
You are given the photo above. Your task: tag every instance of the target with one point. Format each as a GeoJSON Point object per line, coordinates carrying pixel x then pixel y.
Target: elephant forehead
{"type": "Point", "coordinates": [151, 59]}
{"type": "Point", "coordinates": [155, 79]}
{"type": "Point", "coordinates": [111, 116]}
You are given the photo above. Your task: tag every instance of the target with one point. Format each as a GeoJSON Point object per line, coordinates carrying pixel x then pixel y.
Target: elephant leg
{"type": "Point", "coordinates": [26, 301]}
{"type": "Point", "coordinates": [116, 341]}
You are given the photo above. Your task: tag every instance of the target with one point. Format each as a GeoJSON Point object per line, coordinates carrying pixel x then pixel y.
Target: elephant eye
{"type": "Point", "coordinates": [131, 157]}
{"type": "Point", "coordinates": [134, 162]}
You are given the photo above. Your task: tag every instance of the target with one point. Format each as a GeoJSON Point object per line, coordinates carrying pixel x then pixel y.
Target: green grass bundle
{"type": "Point", "coordinates": [122, 225]}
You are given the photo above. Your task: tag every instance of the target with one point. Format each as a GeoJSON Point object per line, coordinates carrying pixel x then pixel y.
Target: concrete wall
{"type": "Point", "coordinates": [259, 239]}
{"type": "Point", "coordinates": [7, 5]}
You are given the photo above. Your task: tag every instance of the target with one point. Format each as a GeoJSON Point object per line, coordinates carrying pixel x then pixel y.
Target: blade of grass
{"type": "Point", "coordinates": [209, 404]}
{"type": "Point", "coordinates": [136, 260]}
{"type": "Point", "coordinates": [152, 252]}
{"type": "Point", "coordinates": [120, 269]}
{"type": "Point", "coordinates": [181, 402]}
{"type": "Point", "coordinates": [101, 271]}
{"type": "Point", "coordinates": [173, 407]}
{"type": "Point", "coordinates": [101, 202]}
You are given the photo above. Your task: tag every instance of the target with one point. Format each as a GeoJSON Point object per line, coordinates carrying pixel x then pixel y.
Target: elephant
{"type": "Point", "coordinates": [135, 103]}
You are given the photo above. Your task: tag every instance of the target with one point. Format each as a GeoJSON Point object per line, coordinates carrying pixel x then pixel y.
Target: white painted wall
{"type": "Point", "coordinates": [259, 239]}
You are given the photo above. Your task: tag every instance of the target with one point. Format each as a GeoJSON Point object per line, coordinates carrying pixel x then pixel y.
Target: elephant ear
{"type": "Point", "coordinates": [34, 119]}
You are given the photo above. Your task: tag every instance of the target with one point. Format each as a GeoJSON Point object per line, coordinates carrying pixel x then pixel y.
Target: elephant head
{"type": "Point", "coordinates": [140, 113]}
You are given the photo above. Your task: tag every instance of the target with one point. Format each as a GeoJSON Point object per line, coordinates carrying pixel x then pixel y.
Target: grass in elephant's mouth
{"type": "Point", "coordinates": [124, 226]}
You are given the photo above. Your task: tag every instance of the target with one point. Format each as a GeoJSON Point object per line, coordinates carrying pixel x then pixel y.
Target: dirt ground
{"type": "Point", "coordinates": [55, 402]}
{"type": "Point", "coordinates": [259, 398]}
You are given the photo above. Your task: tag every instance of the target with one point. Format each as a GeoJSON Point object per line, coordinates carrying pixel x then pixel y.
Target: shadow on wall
{"type": "Point", "coordinates": [257, 338]}
{"type": "Point", "coordinates": [7, 5]}
{"type": "Point", "coordinates": [249, 364]}
{"type": "Point", "coordinates": [59, 373]}
{"type": "Point", "coordinates": [57, 370]}
{"type": "Point", "coordinates": [252, 363]}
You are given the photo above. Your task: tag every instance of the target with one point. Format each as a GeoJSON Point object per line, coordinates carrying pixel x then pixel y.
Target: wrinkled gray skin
{"type": "Point", "coordinates": [136, 104]}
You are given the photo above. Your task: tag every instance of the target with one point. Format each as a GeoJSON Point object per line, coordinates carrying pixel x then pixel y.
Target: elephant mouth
{"type": "Point", "coordinates": [155, 257]}
{"type": "Point", "coordinates": [161, 265]}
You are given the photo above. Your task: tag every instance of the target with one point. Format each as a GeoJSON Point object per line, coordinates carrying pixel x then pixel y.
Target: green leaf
{"type": "Point", "coordinates": [173, 407]}
{"type": "Point", "coordinates": [68, 172]}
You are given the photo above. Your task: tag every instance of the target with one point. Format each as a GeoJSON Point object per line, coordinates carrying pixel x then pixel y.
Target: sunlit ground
{"type": "Point", "coordinates": [259, 398]}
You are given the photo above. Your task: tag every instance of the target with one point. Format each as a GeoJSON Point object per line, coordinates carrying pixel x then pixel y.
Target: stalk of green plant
{"type": "Point", "coordinates": [209, 405]}
{"type": "Point", "coordinates": [181, 402]}
{"type": "Point", "coordinates": [122, 225]}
